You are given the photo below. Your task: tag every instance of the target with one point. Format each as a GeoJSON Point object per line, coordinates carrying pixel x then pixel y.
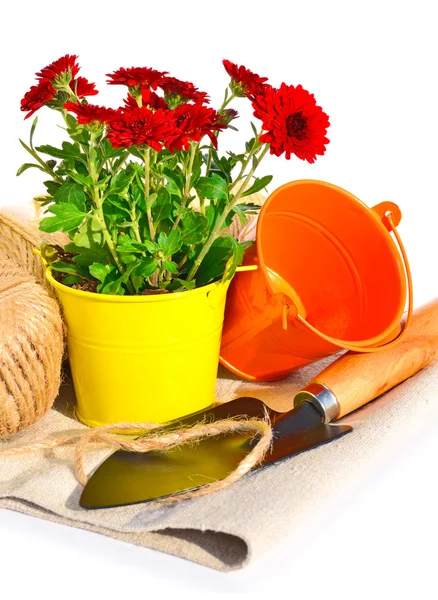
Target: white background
{"type": "Point", "coordinates": [373, 67]}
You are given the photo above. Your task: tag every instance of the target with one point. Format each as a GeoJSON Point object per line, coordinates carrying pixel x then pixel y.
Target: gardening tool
{"type": "Point", "coordinates": [347, 384]}
{"type": "Point", "coordinates": [327, 275]}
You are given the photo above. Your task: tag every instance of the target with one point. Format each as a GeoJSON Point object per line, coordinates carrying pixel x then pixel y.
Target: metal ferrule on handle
{"type": "Point", "coordinates": [322, 398]}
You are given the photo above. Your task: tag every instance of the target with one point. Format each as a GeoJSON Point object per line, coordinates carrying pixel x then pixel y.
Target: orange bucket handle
{"type": "Point", "coordinates": [390, 221]}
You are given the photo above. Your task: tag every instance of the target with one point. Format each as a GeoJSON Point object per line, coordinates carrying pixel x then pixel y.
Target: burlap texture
{"type": "Point", "coordinates": [228, 529]}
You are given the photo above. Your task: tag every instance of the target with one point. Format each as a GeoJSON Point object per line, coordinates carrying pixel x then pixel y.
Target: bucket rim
{"type": "Point", "coordinates": [391, 327]}
{"type": "Point", "coordinates": [113, 298]}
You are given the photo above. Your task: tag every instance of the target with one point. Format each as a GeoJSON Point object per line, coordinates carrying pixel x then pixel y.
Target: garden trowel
{"type": "Point", "coordinates": [350, 382]}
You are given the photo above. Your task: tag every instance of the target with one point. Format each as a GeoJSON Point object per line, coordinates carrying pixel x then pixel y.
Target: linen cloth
{"type": "Point", "coordinates": [227, 529]}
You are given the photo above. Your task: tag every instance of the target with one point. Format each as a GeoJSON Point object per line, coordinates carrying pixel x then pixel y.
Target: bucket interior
{"type": "Point", "coordinates": [322, 245]}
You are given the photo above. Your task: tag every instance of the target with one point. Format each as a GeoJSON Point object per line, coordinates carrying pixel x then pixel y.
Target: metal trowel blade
{"type": "Point", "coordinates": [130, 478]}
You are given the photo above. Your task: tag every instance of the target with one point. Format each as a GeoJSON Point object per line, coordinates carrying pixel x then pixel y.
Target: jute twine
{"type": "Point", "coordinates": [165, 440]}
{"type": "Point", "coordinates": [31, 350]}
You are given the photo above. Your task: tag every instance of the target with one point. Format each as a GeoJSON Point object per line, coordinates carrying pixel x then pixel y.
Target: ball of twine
{"type": "Point", "coordinates": [31, 332]}
{"type": "Point", "coordinates": [18, 241]}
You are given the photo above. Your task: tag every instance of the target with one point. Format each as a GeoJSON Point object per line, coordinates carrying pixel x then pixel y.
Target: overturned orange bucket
{"type": "Point", "coordinates": [325, 274]}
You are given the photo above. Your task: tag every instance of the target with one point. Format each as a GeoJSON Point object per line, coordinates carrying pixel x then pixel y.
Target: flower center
{"type": "Point", "coordinates": [182, 120]}
{"type": "Point", "coordinates": [296, 125]}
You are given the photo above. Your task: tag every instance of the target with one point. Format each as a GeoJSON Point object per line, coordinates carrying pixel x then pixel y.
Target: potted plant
{"type": "Point", "coordinates": [145, 199]}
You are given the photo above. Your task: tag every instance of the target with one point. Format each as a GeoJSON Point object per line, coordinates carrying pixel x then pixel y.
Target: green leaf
{"type": "Point", "coordinates": [195, 228]}
{"type": "Point", "coordinates": [71, 121]}
{"type": "Point", "coordinates": [128, 258]}
{"type": "Point", "coordinates": [175, 184]}
{"type": "Point", "coordinates": [130, 246]}
{"type": "Point", "coordinates": [98, 271]}
{"type": "Point", "coordinates": [52, 187]}
{"type": "Point", "coordinates": [234, 261]}
{"type": "Point", "coordinates": [162, 207]}
{"type": "Point", "coordinates": [113, 283]}
{"type": "Point", "coordinates": [119, 203]}
{"type": "Point", "coordinates": [181, 283]}
{"type": "Point", "coordinates": [71, 279]}
{"type": "Point", "coordinates": [28, 166]}
{"type": "Point", "coordinates": [146, 267]}
{"type": "Point", "coordinates": [108, 150]}
{"type": "Point", "coordinates": [32, 131]}
{"type": "Point", "coordinates": [67, 217]}
{"type": "Point", "coordinates": [215, 262]}
{"type": "Point", "coordinates": [86, 256]}
{"type": "Point", "coordinates": [68, 151]}
{"type": "Point", "coordinates": [89, 235]}
{"type": "Point", "coordinates": [152, 247]}
{"type": "Point", "coordinates": [150, 200]}
{"type": "Point", "coordinates": [71, 193]}
{"type": "Point", "coordinates": [213, 187]}
{"type": "Point", "coordinates": [137, 196]}
{"type": "Point", "coordinates": [81, 179]}
{"type": "Point", "coordinates": [120, 183]}
{"type": "Point", "coordinates": [169, 244]}
{"type": "Point", "coordinates": [258, 185]}
{"type": "Point", "coordinates": [171, 266]}
{"type": "Point", "coordinates": [70, 268]}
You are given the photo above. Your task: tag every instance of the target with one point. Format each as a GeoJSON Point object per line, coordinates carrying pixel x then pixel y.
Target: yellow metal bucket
{"type": "Point", "coordinates": [142, 358]}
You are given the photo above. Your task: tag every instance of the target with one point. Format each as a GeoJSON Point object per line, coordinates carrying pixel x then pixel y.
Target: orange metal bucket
{"type": "Point", "coordinates": [328, 276]}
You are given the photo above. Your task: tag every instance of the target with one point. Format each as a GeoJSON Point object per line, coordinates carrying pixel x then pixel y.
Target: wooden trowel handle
{"type": "Point", "coordinates": [356, 379]}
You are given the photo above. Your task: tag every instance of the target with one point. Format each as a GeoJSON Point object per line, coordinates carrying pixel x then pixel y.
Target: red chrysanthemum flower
{"type": "Point", "coordinates": [193, 122]}
{"type": "Point", "coordinates": [177, 91]}
{"type": "Point", "coordinates": [243, 81]}
{"type": "Point", "coordinates": [141, 127]}
{"type": "Point", "coordinates": [60, 66]}
{"type": "Point", "coordinates": [293, 122]}
{"type": "Point", "coordinates": [82, 87]}
{"type": "Point", "coordinates": [38, 96]}
{"type": "Point", "coordinates": [88, 113]}
{"type": "Point", "coordinates": [136, 77]}
{"type": "Point", "coordinates": [148, 98]}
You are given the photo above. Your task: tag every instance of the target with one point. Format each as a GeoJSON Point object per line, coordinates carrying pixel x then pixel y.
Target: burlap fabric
{"type": "Point", "coordinates": [227, 529]}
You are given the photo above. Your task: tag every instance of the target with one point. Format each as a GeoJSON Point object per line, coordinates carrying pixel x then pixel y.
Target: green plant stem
{"type": "Point", "coordinates": [97, 199]}
{"type": "Point", "coordinates": [45, 167]}
{"type": "Point", "coordinates": [246, 162]}
{"type": "Point", "coordinates": [147, 156]}
{"type": "Point", "coordinates": [215, 233]}
{"type": "Point", "coordinates": [224, 105]}
{"type": "Point", "coordinates": [184, 259]}
{"type": "Point", "coordinates": [187, 187]}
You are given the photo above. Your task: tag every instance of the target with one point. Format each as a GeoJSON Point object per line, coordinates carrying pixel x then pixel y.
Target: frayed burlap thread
{"type": "Point", "coordinates": [31, 349]}
{"type": "Point", "coordinates": [160, 441]}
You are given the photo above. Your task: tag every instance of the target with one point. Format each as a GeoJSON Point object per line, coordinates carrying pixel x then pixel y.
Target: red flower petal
{"type": "Point", "coordinates": [250, 83]}
{"type": "Point", "coordinates": [56, 68]}
{"type": "Point", "coordinates": [38, 96]}
{"type": "Point", "coordinates": [149, 99]}
{"type": "Point", "coordinates": [136, 77]}
{"type": "Point", "coordinates": [193, 122]}
{"type": "Point", "coordinates": [82, 87]}
{"type": "Point", "coordinates": [185, 89]}
{"type": "Point", "coordinates": [87, 113]}
{"type": "Point", "coordinates": [141, 126]}
{"type": "Point", "coordinates": [293, 122]}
